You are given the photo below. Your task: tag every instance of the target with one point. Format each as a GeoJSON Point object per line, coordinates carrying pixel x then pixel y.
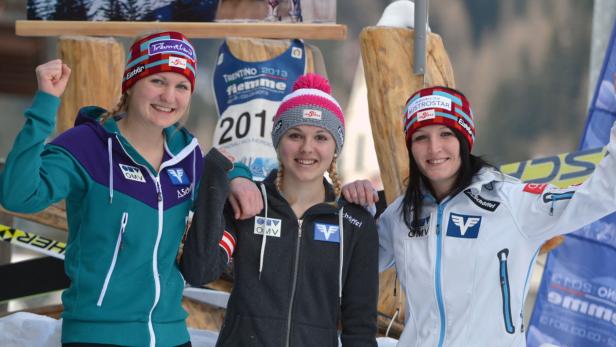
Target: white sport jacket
{"type": "Point", "coordinates": [466, 280]}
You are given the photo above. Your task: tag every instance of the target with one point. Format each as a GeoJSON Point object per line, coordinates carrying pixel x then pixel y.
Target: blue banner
{"type": "Point", "coordinates": [602, 112]}
{"type": "Point", "coordinates": [576, 303]}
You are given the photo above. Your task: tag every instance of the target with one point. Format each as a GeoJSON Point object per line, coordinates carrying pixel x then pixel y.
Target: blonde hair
{"type": "Point", "coordinates": [333, 176]}
{"type": "Point", "coordinates": [121, 107]}
{"type": "Point", "coordinates": [279, 176]}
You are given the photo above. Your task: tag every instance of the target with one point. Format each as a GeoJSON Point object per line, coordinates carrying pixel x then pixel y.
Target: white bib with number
{"type": "Point", "coordinates": [247, 96]}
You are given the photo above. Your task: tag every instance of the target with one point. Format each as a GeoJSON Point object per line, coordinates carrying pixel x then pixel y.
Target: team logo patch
{"type": "Point", "coordinates": [132, 173]}
{"type": "Point", "coordinates": [182, 192]}
{"type": "Point", "coordinates": [327, 232]}
{"type": "Point", "coordinates": [535, 188]}
{"type": "Point", "coordinates": [425, 115]}
{"type": "Point", "coordinates": [466, 127]}
{"type": "Point", "coordinates": [313, 114]}
{"type": "Point", "coordinates": [134, 72]}
{"type": "Point", "coordinates": [277, 126]}
{"type": "Point", "coordinates": [221, 58]}
{"type": "Point", "coordinates": [267, 226]}
{"type": "Point", "coordinates": [177, 62]}
{"type": "Point", "coordinates": [431, 101]}
{"type": "Point", "coordinates": [421, 228]}
{"type": "Point", "coordinates": [178, 177]}
{"type": "Point", "coordinates": [297, 53]}
{"type": "Point", "coordinates": [172, 47]}
{"type": "Point", "coordinates": [481, 202]}
{"type": "Point", "coordinates": [463, 226]}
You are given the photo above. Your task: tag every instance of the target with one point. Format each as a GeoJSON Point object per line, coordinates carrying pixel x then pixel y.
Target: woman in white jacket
{"type": "Point", "coordinates": [464, 235]}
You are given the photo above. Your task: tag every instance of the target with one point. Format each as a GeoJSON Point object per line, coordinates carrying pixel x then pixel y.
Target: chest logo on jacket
{"type": "Point", "coordinates": [327, 232]}
{"type": "Point", "coordinates": [132, 173]}
{"type": "Point", "coordinates": [463, 226]}
{"type": "Point", "coordinates": [267, 226]}
{"type": "Point", "coordinates": [421, 228]}
{"type": "Point", "coordinates": [178, 177]}
{"type": "Point", "coordinates": [535, 188]}
{"type": "Point", "coordinates": [478, 200]}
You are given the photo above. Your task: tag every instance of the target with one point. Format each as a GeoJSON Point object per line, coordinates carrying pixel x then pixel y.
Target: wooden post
{"type": "Point", "coordinates": [252, 50]}
{"type": "Point", "coordinates": [97, 66]}
{"type": "Point", "coordinates": [387, 54]}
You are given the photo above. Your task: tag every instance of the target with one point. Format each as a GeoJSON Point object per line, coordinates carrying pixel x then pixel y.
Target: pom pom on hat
{"type": "Point", "coordinates": [313, 81]}
{"type": "Point", "coordinates": [310, 103]}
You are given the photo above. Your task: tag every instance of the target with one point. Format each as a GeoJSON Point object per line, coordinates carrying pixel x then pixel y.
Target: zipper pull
{"type": "Point", "coordinates": [123, 228]}
{"type": "Point", "coordinates": [159, 190]}
{"type": "Point", "coordinates": [299, 228]}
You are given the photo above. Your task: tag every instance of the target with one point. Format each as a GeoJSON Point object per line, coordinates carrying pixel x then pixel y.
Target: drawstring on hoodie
{"type": "Point", "coordinates": [194, 178]}
{"type": "Point", "coordinates": [340, 220]}
{"type": "Point", "coordinates": [110, 156]}
{"type": "Point", "coordinates": [264, 240]}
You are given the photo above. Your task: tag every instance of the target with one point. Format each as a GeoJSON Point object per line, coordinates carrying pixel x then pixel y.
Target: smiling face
{"type": "Point", "coordinates": [306, 152]}
{"type": "Point", "coordinates": [437, 154]}
{"type": "Point", "coordinates": [160, 99]}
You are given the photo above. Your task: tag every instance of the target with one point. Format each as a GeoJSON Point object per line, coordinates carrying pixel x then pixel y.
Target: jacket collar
{"type": "Point", "coordinates": [276, 198]}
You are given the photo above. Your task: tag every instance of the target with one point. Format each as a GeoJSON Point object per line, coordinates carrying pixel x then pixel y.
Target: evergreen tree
{"type": "Point", "coordinates": [31, 11]}
{"type": "Point", "coordinates": [134, 11]}
{"type": "Point", "coordinates": [71, 10]}
{"type": "Point", "coordinates": [193, 10]}
{"type": "Point", "coordinates": [113, 10]}
{"type": "Point", "coordinates": [39, 9]}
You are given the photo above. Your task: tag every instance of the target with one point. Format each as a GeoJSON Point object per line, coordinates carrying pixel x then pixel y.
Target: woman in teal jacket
{"type": "Point", "coordinates": [128, 177]}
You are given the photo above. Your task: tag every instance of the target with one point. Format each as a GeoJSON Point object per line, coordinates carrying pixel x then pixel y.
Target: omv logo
{"type": "Point", "coordinates": [463, 226]}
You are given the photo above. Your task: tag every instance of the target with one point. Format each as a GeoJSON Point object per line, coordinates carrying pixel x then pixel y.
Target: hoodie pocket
{"type": "Point", "coordinates": [505, 290]}
{"type": "Point", "coordinates": [101, 297]}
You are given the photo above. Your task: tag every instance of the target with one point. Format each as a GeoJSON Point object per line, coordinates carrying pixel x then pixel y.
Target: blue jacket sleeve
{"type": "Point", "coordinates": [36, 175]}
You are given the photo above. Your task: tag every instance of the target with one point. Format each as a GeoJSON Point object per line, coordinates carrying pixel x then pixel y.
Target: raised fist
{"type": "Point", "coordinates": [52, 77]}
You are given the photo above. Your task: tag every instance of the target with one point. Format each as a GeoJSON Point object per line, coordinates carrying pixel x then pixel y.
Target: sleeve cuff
{"type": "Point", "coordinates": [239, 170]}
{"type": "Point", "coordinates": [228, 244]}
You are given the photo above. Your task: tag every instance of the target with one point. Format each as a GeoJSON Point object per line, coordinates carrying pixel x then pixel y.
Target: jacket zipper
{"type": "Point", "coordinates": [504, 284]}
{"type": "Point", "coordinates": [101, 297]}
{"type": "Point", "coordinates": [437, 277]}
{"type": "Point", "coordinates": [294, 283]}
{"type": "Point", "coordinates": [159, 194]}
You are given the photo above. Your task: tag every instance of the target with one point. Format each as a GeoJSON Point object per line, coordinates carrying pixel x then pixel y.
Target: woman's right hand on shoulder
{"type": "Point", "coordinates": [52, 77]}
{"type": "Point", "coordinates": [245, 198]}
{"type": "Point", "coordinates": [360, 192]}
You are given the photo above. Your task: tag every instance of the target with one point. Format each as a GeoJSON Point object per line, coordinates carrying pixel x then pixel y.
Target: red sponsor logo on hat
{"type": "Point", "coordinates": [535, 188]}
{"type": "Point", "coordinates": [425, 115]}
{"type": "Point", "coordinates": [313, 114]}
{"type": "Point", "coordinates": [177, 62]}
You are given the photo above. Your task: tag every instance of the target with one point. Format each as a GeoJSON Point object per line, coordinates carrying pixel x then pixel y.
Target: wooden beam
{"type": "Point", "coordinates": [193, 30]}
{"type": "Point", "coordinates": [53, 216]}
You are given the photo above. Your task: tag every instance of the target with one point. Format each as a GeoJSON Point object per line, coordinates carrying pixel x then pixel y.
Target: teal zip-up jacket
{"type": "Point", "coordinates": [125, 222]}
